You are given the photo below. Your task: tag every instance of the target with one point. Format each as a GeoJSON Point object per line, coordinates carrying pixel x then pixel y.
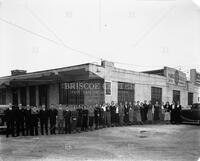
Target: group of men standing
{"type": "Point", "coordinates": [27, 120]}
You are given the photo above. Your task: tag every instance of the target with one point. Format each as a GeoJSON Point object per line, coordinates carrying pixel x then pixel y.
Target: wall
{"type": "Point", "coordinates": [53, 93]}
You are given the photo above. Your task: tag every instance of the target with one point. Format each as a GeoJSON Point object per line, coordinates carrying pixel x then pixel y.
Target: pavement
{"type": "Point", "coordinates": [135, 143]}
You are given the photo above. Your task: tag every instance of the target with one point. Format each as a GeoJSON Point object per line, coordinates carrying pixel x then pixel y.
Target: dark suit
{"type": "Point", "coordinates": [9, 118]}
{"type": "Point", "coordinates": [28, 121]}
{"type": "Point", "coordinates": [67, 117]}
{"type": "Point", "coordinates": [20, 119]}
{"type": "Point", "coordinates": [126, 114]}
{"type": "Point", "coordinates": [52, 114]}
{"type": "Point", "coordinates": [44, 116]}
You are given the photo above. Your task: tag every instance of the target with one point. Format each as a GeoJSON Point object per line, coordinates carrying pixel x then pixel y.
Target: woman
{"type": "Point", "coordinates": [156, 111]}
{"type": "Point", "coordinates": [130, 113]}
{"type": "Point", "coordinates": [150, 113]}
{"type": "Point", "coordinates": [167, 113]}
{"type": "Point", "coordinates": [138, 114]}
{"type": "Point", "coordinates": [121, 114]}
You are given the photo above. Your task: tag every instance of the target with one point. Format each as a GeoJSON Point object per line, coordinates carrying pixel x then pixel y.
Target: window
{"type": "Point", "coordinates": [156, 95]}
{"type": "Point", "coordinates": [32, 95]}
{"type": "Point", "coordinates": [176, 96]}
{"type": "Point", "coordinates": [88, 92]}
{"type": "Point", "coordinates": [190, 98]}
{"type": "Point", "coordinates": [108, 88]}
{"type": "Point", "coordinates": [126, 92]}
{"type": "Point", "coordinates": [2, 96]}
{"type": "Point", "coordinates": [23, 96]}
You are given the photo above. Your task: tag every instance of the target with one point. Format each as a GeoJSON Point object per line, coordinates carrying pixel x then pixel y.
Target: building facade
{"type": "Point", "coordinates": [95, 84]}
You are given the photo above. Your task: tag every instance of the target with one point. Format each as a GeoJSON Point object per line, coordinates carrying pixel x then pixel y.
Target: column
{"type": "Point", "coordinates": [37, 95]}
{"type": "Point", "coordinates": [27, 96]}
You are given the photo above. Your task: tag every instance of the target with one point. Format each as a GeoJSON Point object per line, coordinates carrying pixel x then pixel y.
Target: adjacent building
{"type": "Point", "coordinates": [95, 84]}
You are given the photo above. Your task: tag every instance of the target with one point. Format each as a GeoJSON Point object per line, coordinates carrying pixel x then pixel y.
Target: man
{"type": "Point", "coordinates": [44, 116]}
{"type": "Point", "coordinates": [60, 120]}
{"type": "Point", "coordinates": [79, 118]}
{"type": "Point", "coordinates": [121, 114]}
{"type": "Point", "coordinates": [173, 113]}
{"type": "Point", "coordinates": [113, 113]}
{"type": "Point", "coordinates": [178, 108]}
{"type": "Point", "coordinates": [97, 116]}
{"type": "Point", "coordinates": [145, 110]}
{"type": "Point", "coordinates": [34, 121]}
{"type": "Point", "coordinates": [20, 118]}
{"type": "Point", "coordinates": [74, 119]}
{"type": "Point", "coordinates": [9, 114]}
{"type": "Point", "coordinates": [27, 113]}
{"type": "Point", "coordinates": [91, 117]}
{"type": "Point", "coordinates": [108, 117]}
{"type": "Point", "coordinates": [67, 117]}
{"type": "Point", "coordinates": [52, 114]}
{"type": "Point", "coordinates": [85, 118]}
{"type": "Point", "coordinates": [126, 113]}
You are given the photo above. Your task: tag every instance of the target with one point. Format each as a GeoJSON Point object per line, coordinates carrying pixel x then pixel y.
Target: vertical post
{"type": "Point", "coordinates": [27, 96]}
{"type": "Point", "coordinates": [37, 95]}
{"type": "Point", "coordinates": [19, 96]}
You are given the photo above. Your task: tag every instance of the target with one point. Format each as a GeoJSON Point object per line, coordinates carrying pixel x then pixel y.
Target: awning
{"type": "Point", "coordinates": [49, 77]}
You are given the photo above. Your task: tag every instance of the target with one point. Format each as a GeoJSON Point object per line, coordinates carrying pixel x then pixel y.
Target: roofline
{"type": "Point", "coordinates": [48, 70]}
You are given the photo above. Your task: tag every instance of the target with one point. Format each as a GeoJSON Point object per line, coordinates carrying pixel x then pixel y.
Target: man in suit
{"type": "Point", "coordinates": [113, 113]}
{"type": "Point", "coordinates": [9, 117]}
{"type": "Point", "coordinates": [44, 116]}
{"type": "Point", "coordinates": [97, 116]}
{"type": "Point", "coordinates": [27, 113]}
{"type": "Point", "coordinates": [126, 113]}
{"type": "Point", "coordinates": [20, 119]}
{"type": "Point", "coordinates": [173, 113]}
{"type": "Point", "coordinates": [85, 118]}
{"type": "Point", "coordinates": [145, 110]}
{"type": "Point", "coordinates": [52, 115]}
{"type": "Point", "coordinates": [34, 120]}
{"type": "Point", "coordinates": [67, 117]}
{"type": "Point", "coordinates": [178, 108]}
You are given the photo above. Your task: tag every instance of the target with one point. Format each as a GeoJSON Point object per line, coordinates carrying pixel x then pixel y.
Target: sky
{"type": "Point", "coordinates": [135, 34]}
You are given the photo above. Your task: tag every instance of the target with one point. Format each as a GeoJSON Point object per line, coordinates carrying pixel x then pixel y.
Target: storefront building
{"type": "Point", "coordinates": [95, 84]}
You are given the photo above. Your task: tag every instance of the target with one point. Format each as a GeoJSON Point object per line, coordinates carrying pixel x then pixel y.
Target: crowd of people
{"type": "Point", "coordinates": [67, 119]}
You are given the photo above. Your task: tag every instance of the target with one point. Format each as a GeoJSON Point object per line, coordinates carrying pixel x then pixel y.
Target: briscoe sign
{"type": "Point", "coordinates": [175, 77]}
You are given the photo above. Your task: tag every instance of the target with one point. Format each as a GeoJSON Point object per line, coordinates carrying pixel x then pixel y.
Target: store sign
{"type": "Point", "coordinates": [175, 77]}
{"type": "Point", "coordinates": [197, 79]}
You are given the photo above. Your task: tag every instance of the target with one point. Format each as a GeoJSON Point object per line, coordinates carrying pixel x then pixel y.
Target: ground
{"type": "Point", "coordinates": [139, 143]}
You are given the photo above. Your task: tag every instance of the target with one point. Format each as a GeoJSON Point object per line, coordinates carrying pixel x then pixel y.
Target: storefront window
{"type": "Point", "coordinates": [190, 98]}
{"type": "Point", "coordinates": [126, 92]}
{"type": "Point", "coordinates": [82, 92]}
{"type": "Point", "coordinates": [176, 96]}
{"type": "Point", "coordinates": [108, 88]}
{"type": "Point", "coordinates": [2, 96]}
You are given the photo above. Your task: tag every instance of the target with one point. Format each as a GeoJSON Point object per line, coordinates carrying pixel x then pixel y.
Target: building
{"type": "Point", "coordinates": [90, 84]}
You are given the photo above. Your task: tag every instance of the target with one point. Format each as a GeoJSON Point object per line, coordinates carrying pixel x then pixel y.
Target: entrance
{"type": "Point", "coordinates": [43, 95]}
{"type": "Point", "coordinates": [176, 96]}
{"type": "Point", "coordinates": [15, 96]}
{"type": "Point", "coordinates": [156, 95]}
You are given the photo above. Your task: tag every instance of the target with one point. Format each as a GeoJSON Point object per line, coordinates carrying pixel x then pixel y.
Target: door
{"type": "Point", "coordinates": [156, 95]}
{"type": "Point", "coordinates": [15, 96]}
{"type": "Point", "coordinates": [176, 96]}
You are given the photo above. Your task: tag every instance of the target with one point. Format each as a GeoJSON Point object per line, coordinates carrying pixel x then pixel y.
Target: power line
{"type": "Point", "coordinates": [48, 39]}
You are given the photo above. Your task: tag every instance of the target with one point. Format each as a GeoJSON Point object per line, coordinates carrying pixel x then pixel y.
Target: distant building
{"type": "Point", "coordinates": [90, 84]}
